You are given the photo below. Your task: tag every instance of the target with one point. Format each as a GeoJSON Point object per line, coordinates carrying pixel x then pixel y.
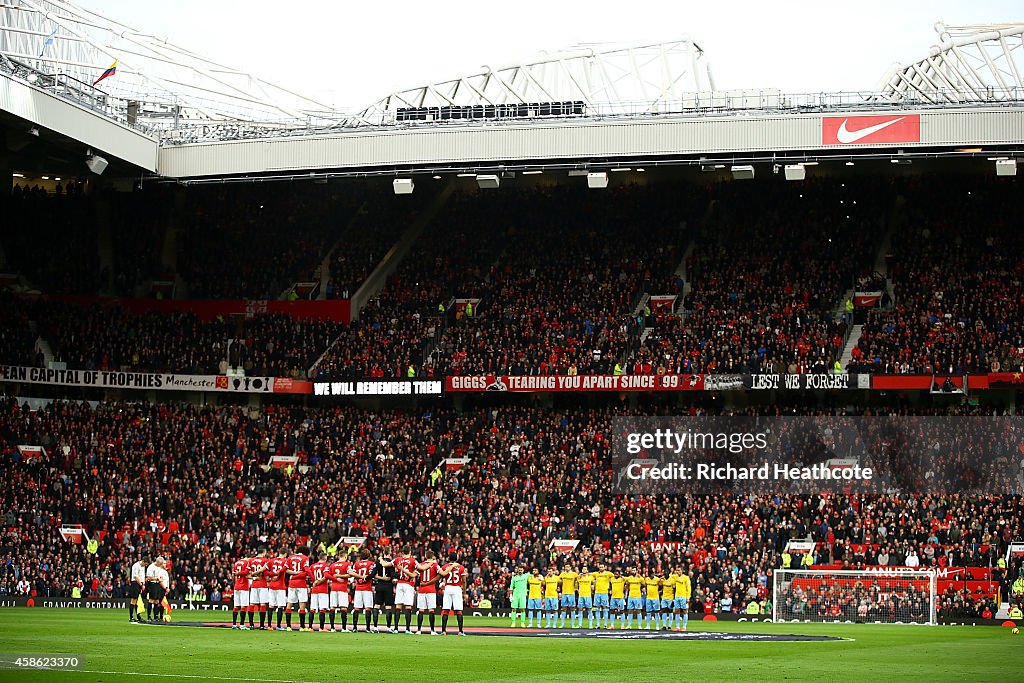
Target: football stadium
{"type": "Point", "coordinates": [579, 367]}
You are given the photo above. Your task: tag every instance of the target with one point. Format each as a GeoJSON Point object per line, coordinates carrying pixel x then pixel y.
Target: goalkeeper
{"type": "Point", "coordinates": [517, 595]}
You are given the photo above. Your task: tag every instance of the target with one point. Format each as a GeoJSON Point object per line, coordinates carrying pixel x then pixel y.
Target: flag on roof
{"type": "Point", "coordinates": [111, 70]}
{"type": "Point", "coordinates": [48, 41]}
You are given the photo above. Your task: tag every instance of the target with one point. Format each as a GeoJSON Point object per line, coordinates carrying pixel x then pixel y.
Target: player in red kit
{"type": "Point", "coordinates": [240, 573]}
{"type": "Point", "coordinates": [455, 576]}
{"type": "Point", "coordinates": [319, 591]}
{"type": "Point", "coordinates": [298, 589]}
{"type": "Point", "coordinates": [339, 573]}
{"type": "Point", "coordinates": [405, 589]}
{"type": "Point", "coordinates": [259, 594]}
{"type": "Point", "coordinates": [363, 571]}
{"type": "Point", "coordinates": [426, 595]}
{"type": "Point", "coordinates": [278, 587]}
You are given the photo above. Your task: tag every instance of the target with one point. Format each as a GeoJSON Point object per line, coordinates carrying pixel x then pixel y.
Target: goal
{"type": "Point", "coordinates": [877, 596]}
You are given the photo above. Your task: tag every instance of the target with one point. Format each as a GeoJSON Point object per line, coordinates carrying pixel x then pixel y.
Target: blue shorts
{"type": "Point", "coordinates": [618, 603]}
{"type": "Point", "coordinates": [652, 605]}
{"type": "Point", "coordinates": [668, 604]}
{"type": "Point", "coordinates": [601, 600]}
{"type": "Point", "coordinates": [586, 603]}
{"type": "Point", "coordinates": [534, 604]}
{"type": "Point", "coordinates": [551, 604]}
{"type": "Point", "coordinates": [635, 604]}
{"type": "Point", "coordinates": [682, 603]}
{"type": "Point", "coordinates": [568, 600]}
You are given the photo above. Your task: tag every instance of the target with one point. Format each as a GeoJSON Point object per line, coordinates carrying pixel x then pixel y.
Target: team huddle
{"type": "Point", "coordinates": [359, 585]}
{"type": "Point", "coordinates": [602, 597]}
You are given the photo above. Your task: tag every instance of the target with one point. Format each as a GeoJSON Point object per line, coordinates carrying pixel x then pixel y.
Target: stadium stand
{"type": "Point", "coordinates": [110, 337]}
{"type": "Point", "coordinates": [254, 242]}
{"type": "Point", "coordinates": [59, 255]}
{"type": "Point", "coordinates": [195, 483]}
{"type": "Point", "coordinates": [769, 272]}
{"type": "Point", "coordinates": [956, 271]}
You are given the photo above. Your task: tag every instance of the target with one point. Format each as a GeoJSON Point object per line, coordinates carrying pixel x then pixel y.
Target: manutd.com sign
{"type": "Point", "coordinates": [870, 130]}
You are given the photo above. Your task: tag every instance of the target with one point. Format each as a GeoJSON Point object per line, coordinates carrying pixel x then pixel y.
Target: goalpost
{"type": "Point", "coordinates": [878, 596]}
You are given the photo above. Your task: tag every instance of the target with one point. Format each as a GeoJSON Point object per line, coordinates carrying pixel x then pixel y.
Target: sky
{"type": "Point", "coordinates": [350, 54]}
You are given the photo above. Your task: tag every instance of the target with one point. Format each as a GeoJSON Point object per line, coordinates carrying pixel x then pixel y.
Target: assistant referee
{"type": "Point", "coordinates": [156, 586]}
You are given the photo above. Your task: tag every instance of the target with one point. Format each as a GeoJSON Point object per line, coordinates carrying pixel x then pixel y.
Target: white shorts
{"type": "Point", "coordinates": [259, 596]}
{"type": "Point", "coordinates": [297, 595]}
{"type": "Point", "coordinates": [426, 601]}
{"type": "Point", "coordinates": [339, 599]}
{"type": "Point", "coordinates": [452, 598]}
{"type": "Point", "coordinates": [241, 599]}
{"type": "Point", "coordinates": [277, 598]}
{"type": "Point", "coordinates": [405, 594]}
{"type": "Point", "coordinates": [319, 601]}
{"type": "Point", "coordinates": [364, 600]}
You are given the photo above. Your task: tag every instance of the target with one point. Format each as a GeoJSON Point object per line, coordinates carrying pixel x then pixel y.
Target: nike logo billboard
{"type": "Point", "coordinates": [866, 130]}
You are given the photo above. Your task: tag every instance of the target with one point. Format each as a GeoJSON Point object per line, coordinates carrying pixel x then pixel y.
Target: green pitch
{"type": "Point", "coordinates": [116, 651]}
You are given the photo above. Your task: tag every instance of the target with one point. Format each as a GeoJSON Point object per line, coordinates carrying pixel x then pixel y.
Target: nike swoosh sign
{"type": "Point", "coordinates": [846, 137]}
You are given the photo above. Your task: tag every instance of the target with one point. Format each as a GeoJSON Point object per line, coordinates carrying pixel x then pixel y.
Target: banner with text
{"type": "Point", "coordinates": [115, 379]}
{"type": "Point", "coordinates": [530, 383]}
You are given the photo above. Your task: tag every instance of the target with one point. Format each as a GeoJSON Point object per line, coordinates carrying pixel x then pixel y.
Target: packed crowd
{"type": "Point", "coordinates": [398, 327]}
{"type": "Point", "coordinates": [253, 242]}
{"type": "Point", "coordinates": [17, 336]}
{"type": "Point", "coordinates": [768, 273]}
{"type": "Point", "coordinates": [115, 338]}
{"type": "Point", "coordinates": [552, 277]}
{"type": "Point", "coordinates": [555, 276]}
{"type": "Point", "coordinates": [376, 226]}
{"type": "Point", "coordinates": [195, 484]}
{"type": "Point", "coordinates": [51, 239]}
{"type": "Point", "coordinates": [957, 267]}
{"type": "Point", "coordinates": [571, 276]}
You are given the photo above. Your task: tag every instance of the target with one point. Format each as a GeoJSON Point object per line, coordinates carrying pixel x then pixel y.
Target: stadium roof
{"type": "Point", "coordinates": [178, 96]}
{"type": "Point", "coordinates": [643, 78]}
{"type": "Point", "coordinates": [172, 85]}
{"type": "Point", "coordinates": [974, 63]}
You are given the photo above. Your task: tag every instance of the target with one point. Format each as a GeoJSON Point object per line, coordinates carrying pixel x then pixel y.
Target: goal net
{"type": "Point", "coordinates": [874, 597]}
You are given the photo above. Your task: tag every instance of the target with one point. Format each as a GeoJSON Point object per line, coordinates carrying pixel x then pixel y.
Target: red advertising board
{"type": "Point", "coordinates": [870, 130]}
{"type": "Point", "coordinates": [338, 310]}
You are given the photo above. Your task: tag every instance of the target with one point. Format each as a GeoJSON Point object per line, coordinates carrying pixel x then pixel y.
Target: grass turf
{"type": "Point", "coordinates": [117, 651]}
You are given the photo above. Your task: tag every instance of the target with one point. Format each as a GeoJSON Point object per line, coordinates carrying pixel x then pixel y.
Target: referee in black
{"type": "Point", "coordinates": [384, 589]}
{"type": "Point", "coordinates": [137, 587]}
{"type": "Point", "coordinates": [155, 590]}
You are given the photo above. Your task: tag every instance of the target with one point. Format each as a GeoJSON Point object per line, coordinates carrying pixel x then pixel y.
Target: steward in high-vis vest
{"type": "Point", "coordinates": [787, 559]}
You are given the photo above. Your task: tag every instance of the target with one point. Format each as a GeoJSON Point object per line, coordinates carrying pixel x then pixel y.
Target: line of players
{"type": "Point", "coordinates": [286, 584]}
{"type": "Point", "coordinates": [603, 597]}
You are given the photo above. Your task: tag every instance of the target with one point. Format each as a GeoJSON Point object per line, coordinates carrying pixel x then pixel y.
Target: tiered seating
{"type": "Point", "coordinates": [189, 482]}
{"type": "Point", "coordinates": [768, 273]}
{"type": "Point", "coordinates": [958, 263]}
